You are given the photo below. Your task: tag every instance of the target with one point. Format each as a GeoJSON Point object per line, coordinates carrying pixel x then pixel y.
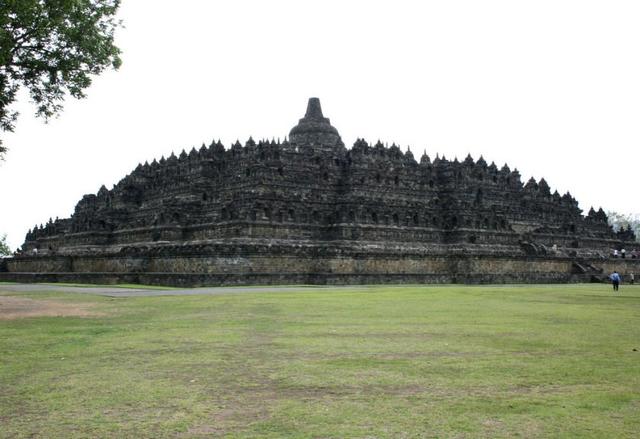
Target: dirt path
{"type": "Point", "coordinates": [139, 292]}
{"type": "Point", "coordinates": [12, 308]}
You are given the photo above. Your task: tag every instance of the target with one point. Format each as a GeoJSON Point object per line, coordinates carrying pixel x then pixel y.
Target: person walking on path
{"type": "Point", "coordinates": [615, 280]}
{"type": "Point", "coordinates": [631, 278]}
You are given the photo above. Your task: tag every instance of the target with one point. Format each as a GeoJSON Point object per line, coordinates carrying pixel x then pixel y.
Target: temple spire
{"type": "Point", "coordinates": [315, 130]}
{"type": "Point", "coordinates": [314, 110]}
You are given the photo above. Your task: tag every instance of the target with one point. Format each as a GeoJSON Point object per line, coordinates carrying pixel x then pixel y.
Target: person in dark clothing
{"type": "Point", "coordinates": [615, 280]}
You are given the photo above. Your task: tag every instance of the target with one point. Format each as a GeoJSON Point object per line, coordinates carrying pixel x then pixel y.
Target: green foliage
{"type": "Point", "coordinates": [626, 220]}
{"type": "Point", "coordinates": [385, 361]}
{"type": "Point", "coordinates": [4, 247]}
{"type": "Point", "coordinates": [52, 48]}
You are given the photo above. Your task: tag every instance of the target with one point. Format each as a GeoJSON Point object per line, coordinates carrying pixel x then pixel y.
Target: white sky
{"type": "Point", "coordinates": [550, 87]}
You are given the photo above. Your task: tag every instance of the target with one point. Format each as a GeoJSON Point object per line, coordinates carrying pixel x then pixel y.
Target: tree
{"type": "Point", "coordinates": [626, 220]}
{"type": "Point", "coordinates": [52, 48]}
{"type": "Point", "coordinates": [4, 247]}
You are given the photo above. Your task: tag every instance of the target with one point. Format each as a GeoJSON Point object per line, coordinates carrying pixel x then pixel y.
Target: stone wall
{"type": "Point", "coordinates": [287, 263]}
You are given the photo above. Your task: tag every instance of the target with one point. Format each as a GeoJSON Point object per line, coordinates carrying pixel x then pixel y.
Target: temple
{"type": "Point", "coordinates": [310, 210]}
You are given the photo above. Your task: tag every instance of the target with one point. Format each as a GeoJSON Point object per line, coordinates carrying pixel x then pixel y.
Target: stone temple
{"type": "Point", "coordinates": [310, 210]}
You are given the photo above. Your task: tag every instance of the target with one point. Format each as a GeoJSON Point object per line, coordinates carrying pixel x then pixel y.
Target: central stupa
{"type": "Point", "coordinates": [314, 128]}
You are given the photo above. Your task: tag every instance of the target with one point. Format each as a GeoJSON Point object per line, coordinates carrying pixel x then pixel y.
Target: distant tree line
{"type": "Point", "coordinates": [4, 247]}
{"type": "Point", "coordinates": [618, 220]}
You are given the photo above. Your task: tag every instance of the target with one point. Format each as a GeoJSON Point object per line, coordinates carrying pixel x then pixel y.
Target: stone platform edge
{"type": "Point", "coordinates": [242, 279]}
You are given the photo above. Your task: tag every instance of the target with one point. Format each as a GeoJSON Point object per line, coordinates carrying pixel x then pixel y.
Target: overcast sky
{"type": "Point", "coordinates": [549, 87]}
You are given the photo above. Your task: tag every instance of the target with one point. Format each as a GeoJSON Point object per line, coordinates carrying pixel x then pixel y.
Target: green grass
{"type": "Point", "coordinates": [382, 362]}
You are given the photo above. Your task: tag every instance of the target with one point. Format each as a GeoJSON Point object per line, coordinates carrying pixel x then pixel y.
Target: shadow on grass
{"type": "Point", "coordinates": [617, 296]}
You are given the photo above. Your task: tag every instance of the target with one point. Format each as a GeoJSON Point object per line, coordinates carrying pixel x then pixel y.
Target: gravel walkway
{"type": "Point", "coordinates": [139, 292]}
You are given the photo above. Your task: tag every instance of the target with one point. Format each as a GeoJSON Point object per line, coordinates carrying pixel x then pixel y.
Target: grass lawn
{"type": "Point", "coordinates": [383, 362]}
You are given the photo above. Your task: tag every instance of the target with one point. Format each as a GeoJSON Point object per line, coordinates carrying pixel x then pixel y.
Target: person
{"type": "Point", "coordinates": [623, 253]}
{"type": "Point", "coordinates": [615, 253]}
{"type": "Point", "coordinates": [615, 280]}
{"type": "Point", "coordinates": [631, 278]}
